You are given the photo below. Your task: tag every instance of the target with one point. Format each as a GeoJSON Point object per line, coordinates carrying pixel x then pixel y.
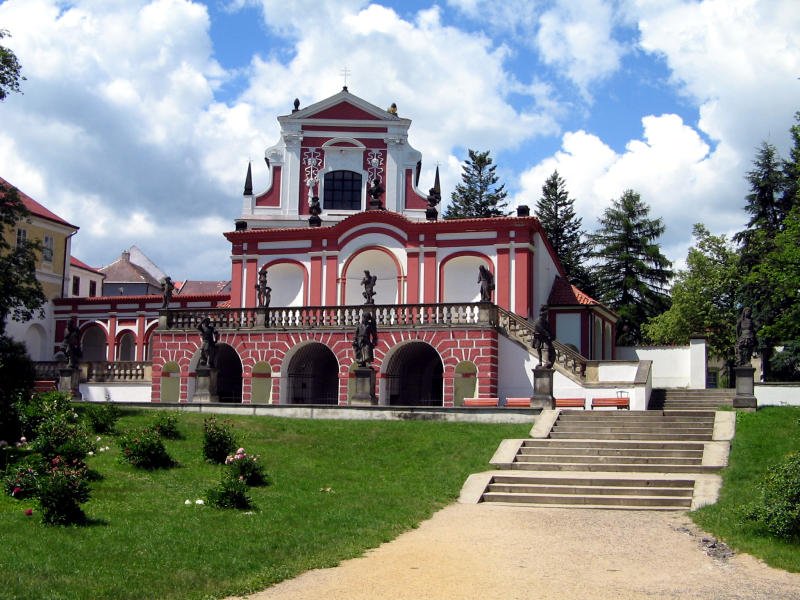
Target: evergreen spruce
{"type": "Point", "coordinates": [477, 195]}
{"type": "Point", "coordinates": [632, 274]}
{"type": "Point", "coordinates": [556, 212]}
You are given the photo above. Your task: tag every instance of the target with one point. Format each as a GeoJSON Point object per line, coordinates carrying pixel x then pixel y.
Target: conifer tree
{"type": "Point", "coordinates": [478, 194]}
{"type": "Point", "coordinates": [556, 212]}
{"type": "Point", "coordinates": [631, 274]}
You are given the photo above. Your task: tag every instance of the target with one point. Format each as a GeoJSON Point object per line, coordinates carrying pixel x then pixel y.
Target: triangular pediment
{"type": "Point", "coordinates": [343, 106]}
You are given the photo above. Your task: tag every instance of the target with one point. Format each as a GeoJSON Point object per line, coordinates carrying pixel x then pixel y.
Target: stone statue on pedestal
{"type": "Point", "coordinates": [486, 280]}
{"type": "Point", "coordinates": [167, 287]}
{"type": "Point", "coordinates": [210, 336]}
{"type": "Point", "coordinates": [745, 338]}
{"type": "Point", "coordinates": [365, 340]}
{"type": "Point", "coordinates": [263, 291]}
{"type": "Point", "coordinates": [543, 338]}
{"type": "Point", "coordinates": [71, 346]}
{"type": "Point", "coordinates": [369, 281]}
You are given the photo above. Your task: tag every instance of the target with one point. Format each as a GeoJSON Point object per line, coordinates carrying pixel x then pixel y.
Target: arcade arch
{"type": "Point", "coordinates": [458, 281]}
{"type": "Point", "coordinates": [94, 344]}
{"type": "Point", "coordinates": [413, 376]}
{"type": "Point", "coordinates": [381, 264]}
{"type": "Point", "coordinates": [312, 376]}
{"type": "Point", "coordinates": [229, 374]}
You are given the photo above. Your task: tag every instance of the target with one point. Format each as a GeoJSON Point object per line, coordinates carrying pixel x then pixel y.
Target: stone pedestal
{"type": "Point", "coordinates": [745, 399]}
{"type": "Point", "coordinates": [68, 380]}
{"type": "Point", "coordinates": [365, 386]}
{"type": "Point", "coordinates": [206, 388]}
{"type": "Point", "coordinates": [543, 388]}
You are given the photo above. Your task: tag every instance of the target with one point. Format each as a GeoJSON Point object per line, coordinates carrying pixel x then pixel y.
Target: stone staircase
{"type": "Point", "coordinates": [653, 460]}
{"type": "Point", "coordinates": [680, 399]}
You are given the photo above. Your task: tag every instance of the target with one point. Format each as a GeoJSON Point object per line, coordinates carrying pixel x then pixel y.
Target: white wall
{"type": "Point", "coordinates": [514, 370]}
{"type": "Point", "coordinates": [777, 394]}
{"type": "Point", "coordinates": [672, 365]}
{"type": "Point", "coordinates": [118, 392]}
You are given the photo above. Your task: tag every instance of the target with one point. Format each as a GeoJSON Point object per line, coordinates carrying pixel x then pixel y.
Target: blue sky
{"type": "Point", "coordinates": [139, 116]}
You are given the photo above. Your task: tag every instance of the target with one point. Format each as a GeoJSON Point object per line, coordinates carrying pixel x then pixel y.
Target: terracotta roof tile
{"type": "Point", "coordinates": [74, 262]}
{"type": "Point", "coordinates": [37, 209]}
{"type": "Point", "coordinates": [565, 294]}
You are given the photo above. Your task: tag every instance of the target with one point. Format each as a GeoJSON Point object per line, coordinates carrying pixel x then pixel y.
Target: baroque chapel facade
{"type": "Point", "coordinates": [342, 205]}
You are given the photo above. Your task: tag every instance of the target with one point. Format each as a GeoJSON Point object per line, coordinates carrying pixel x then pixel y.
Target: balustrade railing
{"type": "Point", "coordinates": [117, 371]}
{"type": "Point", "coordinates": [521, 330]}
{"type": "Point", "coordinates": [387, 316]}
{"type": "Point", "coordinates": [48, 370]}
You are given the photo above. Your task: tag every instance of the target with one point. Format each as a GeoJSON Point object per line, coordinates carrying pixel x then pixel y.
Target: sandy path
{"type": "Point", "coordinates": [483, 551]}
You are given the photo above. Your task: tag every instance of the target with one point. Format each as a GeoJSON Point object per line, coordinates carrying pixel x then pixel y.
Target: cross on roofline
{"type": "Point", "coordinates": [345, 72]}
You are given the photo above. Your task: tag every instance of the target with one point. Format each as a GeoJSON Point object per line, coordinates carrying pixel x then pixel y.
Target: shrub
{"type": "Point", "coordinates": [33, 410]}
{"type": "Point", "coordinates": [218, 440]}
{"type": "Point", "coordinates": [166, 425]}
{"type": "Point", "coordinates": [230, 493]}
{"type": "Point", "coordinates": [778, 510]}
{"type": "Point", "coordinates": [21, 479]}
{"type": "Point", "coordinates": [102, 417]}
{"type": "Point", "coordinates": [61, 488]}
{"type": "Point", "coordinates": [145, 449]}
{"type": "Point", "coordinates": [246, 467]}
{"type": "Point", "coordinates": [62, 434]}
{"type": "Point", "coordinates": [16, 381]}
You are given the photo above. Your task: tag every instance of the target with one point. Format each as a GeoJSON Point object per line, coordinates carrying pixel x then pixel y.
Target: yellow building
{"type": "Point", "coordinates": [52, 270]}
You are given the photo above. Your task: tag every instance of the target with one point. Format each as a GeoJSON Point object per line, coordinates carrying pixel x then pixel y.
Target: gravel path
{"type": "Point", "coordinates": [486, 551]}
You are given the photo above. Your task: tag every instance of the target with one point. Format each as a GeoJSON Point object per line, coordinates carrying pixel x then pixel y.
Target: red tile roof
{"type": "Point", "coordinates": [37, 209]}
{"type": "Point", "coordinates": [565, 294]}
{"type": "Point", "coordinates": [74, 262]}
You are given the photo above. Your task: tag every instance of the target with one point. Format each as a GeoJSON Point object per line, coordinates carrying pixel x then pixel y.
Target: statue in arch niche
{"type": "Point", "coordinates": [369, 281]}
{"type": "Point", "coordinates": [486, 281]}
{"type": "Point", "coordinates": [263, 291]}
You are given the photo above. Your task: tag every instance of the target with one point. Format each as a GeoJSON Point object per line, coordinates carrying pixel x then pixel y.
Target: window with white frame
{"type": "Point", "coordinates": [22, 236]}
{"type": "Point", "coordinates": [47, 248]}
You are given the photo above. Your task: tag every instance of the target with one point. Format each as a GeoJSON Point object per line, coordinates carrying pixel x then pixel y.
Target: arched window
{"type": "Point", "coordinates": [342, 191]}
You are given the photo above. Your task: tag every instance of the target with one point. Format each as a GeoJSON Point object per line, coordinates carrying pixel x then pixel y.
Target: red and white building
{"type": "Point", "coordinates": [437, 343]}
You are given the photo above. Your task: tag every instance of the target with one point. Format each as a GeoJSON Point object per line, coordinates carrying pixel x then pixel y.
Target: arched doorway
{"type": "Point", "coordinates": [36, 343]}
{"type": "Point", "coordinates": [414, 376]}
{"type": "Point", "coordinates": [94, 344]}
{"type": "Point", "coordinates": [170, 382]}
{"type": "Point", "coordinates": [126, 346]}
{"type": "Point", "coordinates": [261, 386]}
{"type": "Point", "coordinates": [313, 376]}
{"type": "Point", "coordinates": [229, 374]}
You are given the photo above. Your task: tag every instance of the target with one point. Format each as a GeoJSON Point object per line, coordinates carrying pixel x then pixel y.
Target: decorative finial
{"type": "Point", "coordinates": [392, 110]}
{"type": "Point", "coordinates": [345, 72]}
{"type": "Point", "coordinates": [248, 181]}
{"type": "Point", "coordinates": [296, 105]}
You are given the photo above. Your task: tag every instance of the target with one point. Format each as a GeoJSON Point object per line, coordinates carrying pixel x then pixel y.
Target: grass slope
{"type": "Point", "coordinates": [762, 439]}
{"type": "Point", "coordinates": [338, 488]}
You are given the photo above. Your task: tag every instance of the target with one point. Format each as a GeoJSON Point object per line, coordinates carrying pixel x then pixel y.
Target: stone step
{"type": "Point", "coordinates": [595, 500]}
{"type": "Point", "coordinates": [591, 430]}
{"type": "Point", "coordinates": [656, 418]}
{"type": "Point", "coordinates": [631, 445]}
{"type": "Point", "coordinates": [589, 490]}
{"type": "Point", "coordinates": [612, 467]}
{"type": "Point", "coordinates": [598, 459]}
{"type": "Point", "coordinates": [593, 481]}
{"type": "Point", "coordinates": [577, 435]}
{"type": "Point", "coordinates": [620, 507]}
{"type": "Point", "coordinates": [578, 451]}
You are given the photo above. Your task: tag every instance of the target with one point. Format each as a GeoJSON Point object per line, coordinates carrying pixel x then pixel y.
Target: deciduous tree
{"type": "Point", "coordinates": [9, 69]}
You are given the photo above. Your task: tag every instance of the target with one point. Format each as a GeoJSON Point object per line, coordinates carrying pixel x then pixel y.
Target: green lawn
{"type": "Point", "coordinates": [338, 488]}
{"type": "Point", "coordinates": [762, 439]}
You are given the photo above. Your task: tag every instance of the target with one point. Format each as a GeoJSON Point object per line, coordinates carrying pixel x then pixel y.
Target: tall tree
{"type": "Point", "coordinates": [21, 294]}
{"type": "Point", "coordinates": [478, 194]}
{"type": "Point", "coordinates": [556, 212]}
{"type": "Point", "coordinates": [704, 298]}
{"type": "Point", "coordinates": [9, 69]}
{"type": "Point", "coordinates": [764, 205]}
{"type": "Point", "coordinates": [631, 274]}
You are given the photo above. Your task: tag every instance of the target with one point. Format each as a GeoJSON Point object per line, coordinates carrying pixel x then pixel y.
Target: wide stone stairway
{"type": "Point", "coordinates": [655, 460]}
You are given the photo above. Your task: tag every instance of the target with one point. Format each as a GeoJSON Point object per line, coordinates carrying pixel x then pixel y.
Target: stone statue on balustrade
{"type": "Point", "coordinates": [369, 282]}
{"type": "Point", "coordinates": [365, 340]}
{"type": "Point", "coordinates": [71, 346]}
{"type": "Point", "coordinates": [209, 336]}
{"type": "Point", "coordinates": [543, 339]}
{"type": "Point", "coordinates": [486, 281]}
{"type": "Point", "coordinates": [745, 338]}
{"type": "Point", "coordinates": [263, 291]}
{"type": "Point", "coordinates": [167, 287]}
